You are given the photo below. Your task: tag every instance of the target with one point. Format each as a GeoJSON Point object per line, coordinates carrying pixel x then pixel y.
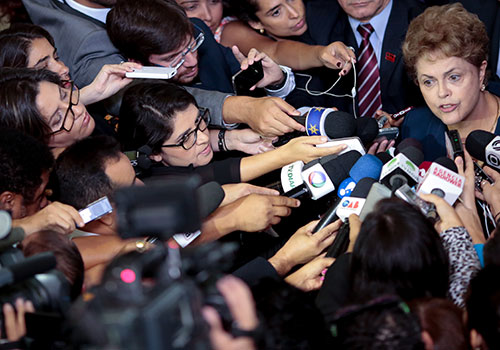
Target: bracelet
{"type": "Point", "coordinates": [222, 141]}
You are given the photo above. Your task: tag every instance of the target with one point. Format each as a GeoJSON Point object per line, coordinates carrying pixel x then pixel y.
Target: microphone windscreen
{"type": "Point", "coordinates": [339, 124]}
{"type": "Point", "coordinates": [16, 235]}
{"type": "Point", "coordinates": [409, 142]}
{"type": "Point", "coordinates": [366, 166]}
{"type": "Point", "coordinates": [384, 157]}
{"type": "Point", "coordinates": [210, 196]}
{"type": "Point", "coordinates": [447, 163]}
{"type": "Point", "coordinates": [413, 154]}
{"type": "Point", "coordinates": [338, 168]}
{"type": "Point", "coordinates": [33, 265]}
{"type": "Point", "coordinates": [476, 143]}
{"type": "Point", "coordinates": [363, 187]}
{"type": "Point", "coordinates": [366, 129]}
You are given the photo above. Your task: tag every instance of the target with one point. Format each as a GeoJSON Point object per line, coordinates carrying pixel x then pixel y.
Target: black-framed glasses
{"type": "Point", "coordinates": [191, 48]}
{"type": "Point", "coordinates": [69, 117]}
{"type": "Point", "coordinates": [201, 124]}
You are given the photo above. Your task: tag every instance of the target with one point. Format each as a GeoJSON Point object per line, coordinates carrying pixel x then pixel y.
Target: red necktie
{"type": "Point", "coordinates": [368, 75]}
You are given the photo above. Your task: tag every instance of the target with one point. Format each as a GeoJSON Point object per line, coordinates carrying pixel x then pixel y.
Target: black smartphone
{"type": "Point", "coordinates": [479, 176]}
{"type": "Point", "coordinates": [245, 79]}
{"type": "Point", "coordinates": [454, 145]}
{"type": "Point", "coordinates": [387, 134]}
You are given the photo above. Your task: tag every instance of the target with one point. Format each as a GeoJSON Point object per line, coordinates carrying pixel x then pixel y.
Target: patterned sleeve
{"type": "Point", "coordinates": [464, 262]}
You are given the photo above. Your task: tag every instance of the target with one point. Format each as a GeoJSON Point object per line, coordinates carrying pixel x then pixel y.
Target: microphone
{"type": "Point", "coordinates": [27, 268]}
{"type": "Point", "coordinates": [348, 206]}
{"type": "Point", "coordinates": [321, 121]}
{"type": "Point", "coordinates": [367, 130]}
{"type": "Point", "coordinates": [409, 142]}
{"type": "Point", "coordinates": [402, 169]}
{"type": "Point", "coordinates": [485, 147]}
{"type": "Point", "coordinates": [322, 176]}
{"type": "Point", "coordinates": [366, 166]}
{"type": "Point", "coordinates": [384, 157]}
{"type": "Point", "coordinates": [443, 180]}
{"type": "Point", "coordinates": [209, 196]}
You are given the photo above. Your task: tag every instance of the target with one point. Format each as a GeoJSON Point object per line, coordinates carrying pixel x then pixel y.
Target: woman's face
{"type": "Point", "coordinates": [281, 18]}
{"type": "Point", "coordinates": [185, 122]}
{"type": "Point", "coordinates": [52, 103]}
{"type": "Point", "coordinates": [450, 86]}
{"type": "Point", "coordinates": [44, 55]}
{"type": "Point", "coordinates": [209, 11]}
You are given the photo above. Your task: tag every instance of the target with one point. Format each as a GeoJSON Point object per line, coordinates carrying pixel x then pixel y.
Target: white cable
{"type": "Point", "coordinates": [327, 91]}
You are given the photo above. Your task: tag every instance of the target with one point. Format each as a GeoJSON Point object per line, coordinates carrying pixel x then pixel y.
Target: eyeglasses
{"type": "Point", "coordinates": [69, 116]}
{"type": "Point", "coordinates": [191, 48]}
{"type": "Point", "coordinates": [189, 140]}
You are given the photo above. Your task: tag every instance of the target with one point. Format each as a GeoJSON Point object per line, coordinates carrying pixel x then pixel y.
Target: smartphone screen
{"type": "Point", "coordinates": [245, 79]}
{"type": "Point", "coordinates": [96, 210]}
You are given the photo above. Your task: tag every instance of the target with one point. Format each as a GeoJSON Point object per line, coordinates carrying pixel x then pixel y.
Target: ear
{"type": "Point", "coordinates": [156, 59]}
{"type": "Point", "coordinates": [482, 71]}
{"type": "Point", "coordinates": [108, 219]}
{"type": "Point", "coordinates": [476, 340]}
{"type": "Point", "coordinates": [156, 157]}
{"type": "Point", "coordinates": [7, 200]}
{"type": "Point", "coordinates": [256, 25]}
{"type": "Point", "coordinates": [426, 338]}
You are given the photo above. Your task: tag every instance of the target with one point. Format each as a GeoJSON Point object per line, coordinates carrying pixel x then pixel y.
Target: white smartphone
{"type": "Point", "coordinates": [96, 209]}
{"type": "Point", "coordinates": [152, 73]}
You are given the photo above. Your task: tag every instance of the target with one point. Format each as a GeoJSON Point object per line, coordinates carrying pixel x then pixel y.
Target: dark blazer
{"type": "Point", "coordinates": [331, 24]}
{"type": "Point", "coordinates": [488, 11]}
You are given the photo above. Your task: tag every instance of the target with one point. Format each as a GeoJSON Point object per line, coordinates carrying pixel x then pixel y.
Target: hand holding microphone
{"type": "Point", "coordinates": [491, 192]}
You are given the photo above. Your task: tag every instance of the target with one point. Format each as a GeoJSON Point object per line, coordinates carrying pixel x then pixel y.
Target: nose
{"type": "Point", "coordinates": [443, 90]}
{"type": "Point", "coordinates": [292, 12]}
{"type": "Point", "coordinates": [44, 202]}
{"type": "Point", "coordinates": [62, 70]}
{"type": "Point", "coordinates": [78, 110]}
{"type": "Point", "coordinates": [205, 14]}
{"type": "Point", "coordinates": [138, 182]}
{"type": "Point", "coordinates": [191, 60]}
{"type": "Point", "coordinates": [202, 137]}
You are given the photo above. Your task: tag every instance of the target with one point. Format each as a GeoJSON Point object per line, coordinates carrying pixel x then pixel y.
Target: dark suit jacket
{"type": "Point", "coordinates": [331, 24]}
{"type": "Point", "coordinates": [488, 11]}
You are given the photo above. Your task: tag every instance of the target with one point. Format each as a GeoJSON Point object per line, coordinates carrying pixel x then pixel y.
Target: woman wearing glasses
{"type": "Point", "coordinates": [38, 103]}
{"type": "Point", "coordinates": [165, 118]}
{"type": "Point", "coordinates": [31, 46]}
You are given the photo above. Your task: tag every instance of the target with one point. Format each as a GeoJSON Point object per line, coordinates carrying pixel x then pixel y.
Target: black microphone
{"type": "Point", "coordinates": [27, 268]}
{"type": "Point", "coordinates": [210, 196]}
{"type": "Point", "coordinates": [408, 142]}
{"type": "Point", "coordinates": [485, 147]}
{"type": "Point", "coordinates": [9, 235]}
{"type": "Point", "coordinates": [322, 122]}
{"type": "Point", "coordinates": [402, 169]}
{"type": "Point", "coordinates": [367, 130]}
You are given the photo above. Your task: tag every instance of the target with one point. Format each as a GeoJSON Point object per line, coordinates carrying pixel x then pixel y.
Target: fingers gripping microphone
{"type": "Point", "coordinates": [484, 146]}
{"type": "Point", "coordinates": [321, 121]}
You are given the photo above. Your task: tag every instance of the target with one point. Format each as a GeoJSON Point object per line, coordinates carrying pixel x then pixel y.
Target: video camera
{"type": "Point", "coordinates": [153, 299]}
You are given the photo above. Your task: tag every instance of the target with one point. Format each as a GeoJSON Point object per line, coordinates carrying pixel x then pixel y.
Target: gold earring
{"type": "Point", "coordinates": [261, 31]}
{"type": "Point", "coordinates": [483, 87]}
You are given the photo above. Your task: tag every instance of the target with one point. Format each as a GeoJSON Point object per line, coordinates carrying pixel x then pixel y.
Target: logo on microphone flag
{"type": "Point", "coordinates": [317, 179]}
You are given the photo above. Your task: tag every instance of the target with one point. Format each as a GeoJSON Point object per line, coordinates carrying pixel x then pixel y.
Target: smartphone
{"type": "Point", "coordinates": [479, 176]}
{"type": "Point", "coordinates": [387, 134]}
{"type": "Point", "coordinates": [152, 73]}
{"type": "Point", "coordinates": [454, 147]}
{"type": "Point", "coordinates": [245, 79]}
{"type": "Point", "coordinates": [409, 195]}
{"type": "Point", "coordinates": [96, 209]}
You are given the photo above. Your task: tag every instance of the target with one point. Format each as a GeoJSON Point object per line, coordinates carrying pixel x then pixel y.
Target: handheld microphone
{"type": "Point", "coordinates": [485, 147]}
{"type": "Point", "coordinates": [27, 268]}
{"type": "Point", "coordinates": [9, 235]}
{"type": "Point", "coordinates": [402, 169]}
{"type": "Point", "coordinates": [324, 175]}
{"type": "Point", "coordinates": [321, 121]}
{"type": "Point", "coordinates": [366, 129]}
{"type": "Point", "coordinates": [443, 180]}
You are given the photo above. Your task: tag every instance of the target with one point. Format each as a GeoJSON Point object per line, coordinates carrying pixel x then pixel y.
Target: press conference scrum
{"type": "Point", "coordinates": [249, 174]}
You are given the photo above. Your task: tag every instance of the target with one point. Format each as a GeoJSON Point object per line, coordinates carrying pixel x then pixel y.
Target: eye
{"type": "Point", "coordinates": [454, 77]}
{"type": "Point", "coordinates": [428, 82]}
{"type": "Point", "coordinates": [190, 8]}
{"type": "Point", "coordinates": [56, 120]}
{"type": "Point", "coordinates": [215, 1]}
{"type": "Point", "coordinates": [276, 12]}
